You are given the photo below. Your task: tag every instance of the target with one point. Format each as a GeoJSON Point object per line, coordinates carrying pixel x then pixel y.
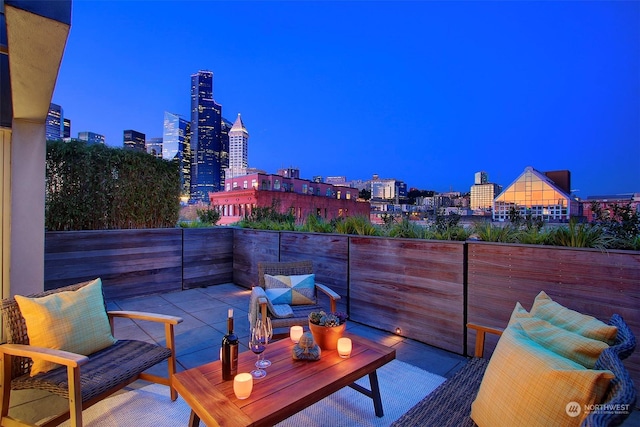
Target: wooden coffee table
{"type": "Point", "coordinates": [290, 385]}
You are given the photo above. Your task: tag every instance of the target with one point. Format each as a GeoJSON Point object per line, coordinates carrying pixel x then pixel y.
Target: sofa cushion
{"type": "Point", "coordinates": [571, 345]}
{"type": "Point", "coordinates": [293, 290]}
{"type": "Point", "coordinates": [547, 309]}
{"type": "Point", "coordinates": [74, 321]}
{"type": "Point", "coordinates": [528, 384]}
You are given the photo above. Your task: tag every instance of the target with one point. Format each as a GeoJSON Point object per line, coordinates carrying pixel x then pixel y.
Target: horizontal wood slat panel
{"type": "Point", "coordinates": [207, 257]}
{"type": "Point", "coordinates": [249, 248]}
{"type": "Point", "coordinates": [586, 280]}
{"type": "Point", "coordinates": [330, 260]}
{"type": "Point", "coordinates": [129, 262]}
{"type": "Point", "coordinates": [414, 285]}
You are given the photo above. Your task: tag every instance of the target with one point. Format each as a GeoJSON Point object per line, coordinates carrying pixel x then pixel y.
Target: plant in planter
{"type": "Point", "coordinates": [327, 328]}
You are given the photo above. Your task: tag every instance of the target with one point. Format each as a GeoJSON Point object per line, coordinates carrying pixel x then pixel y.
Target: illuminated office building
{"type": "Point", "coordinates": [134, 140]}
{"type": "Point", "coordinates": [54, 124]}
{"type": "Point", "coordinates": [534, 193]}
{"type": "Point", "coordinates": [66, 128]}
{"type": "Point", "coordinates": [91, 137]}
{"type": "Point", "coordinates": [225, 128]}
{"type": "Point", "coordinates": [154, 147]}
{"type": "Point", "coordinates": [208, 151]}
{"type": "Point", "coordinates": [176, 146]}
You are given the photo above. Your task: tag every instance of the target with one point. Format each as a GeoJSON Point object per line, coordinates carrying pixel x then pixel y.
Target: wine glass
{"type": "Point", "coordinates": [267, 333]}
{"type": "Point", "coordinates": [257, 346]}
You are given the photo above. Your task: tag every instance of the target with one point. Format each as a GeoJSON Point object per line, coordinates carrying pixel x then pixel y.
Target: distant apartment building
{"type": "Point", "coordinates": [607, 202]}
{"type": "Point", "coordinates": [238, 150]}
{"type": "Point", "coordinates": [360, 184]}
{"type": "Point", "coordinates": [291, 172]}
{"type": "Point", "coordinates": [387, 188]}
{"type": "Point", "coordinates": [481, 178]}
{"type": "Point", "coordinates": [54, 124]}
{"type": "Point", "coordinates": [91, 137]}
{"type": "Point", "coordinates": [299, 197]}
{"type": "Point", "coordinates": [176, 147]}
{"type": "Point", "coordinates": [209, 150]}
{"type": "Point", "coordinates": [154, 146]}
{"type": "Point", "coordinates": [134, 140]}
{"type": "Point", "coordinates": [535, 193]}
{"type": "Point", "coordinates": [336, 180]}
{"type": "Point", "coordinates": [483, 193]}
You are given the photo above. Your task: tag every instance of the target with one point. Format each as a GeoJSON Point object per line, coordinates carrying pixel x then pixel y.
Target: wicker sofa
{"type": "Point", "coordinates": [450, 404]}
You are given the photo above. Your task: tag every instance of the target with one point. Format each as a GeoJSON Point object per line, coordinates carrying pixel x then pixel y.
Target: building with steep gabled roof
{"type": "Point", "coordinates": [534, 193]}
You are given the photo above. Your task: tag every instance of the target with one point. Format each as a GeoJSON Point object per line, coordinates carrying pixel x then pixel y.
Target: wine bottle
{"type": "Point", "coordinates": [229, 351]}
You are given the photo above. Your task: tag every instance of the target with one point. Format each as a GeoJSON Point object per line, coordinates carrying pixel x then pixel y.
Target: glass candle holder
{"type": "Point", "coordinates": [295, 333]}
{"type": "Point", "coordinates": [344, 347]}
{"type": "Point", "coordinates": [242, 385]}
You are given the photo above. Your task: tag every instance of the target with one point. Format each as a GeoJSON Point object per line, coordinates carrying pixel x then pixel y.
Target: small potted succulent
{"type": "Point", "coordinates": [327, 328]}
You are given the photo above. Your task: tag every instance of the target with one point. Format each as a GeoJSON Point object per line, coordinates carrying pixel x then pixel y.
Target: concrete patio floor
{"type": "Point", "coordinates": [198, 339]}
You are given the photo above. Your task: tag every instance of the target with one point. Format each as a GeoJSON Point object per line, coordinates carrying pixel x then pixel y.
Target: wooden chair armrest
{"type": "Point", "coordinates": [262, 302]}
{"type": "Point", "coordinates": [60, 357]}
{"type": "Point", "coordinates": [480, 333]}
{"type": "Point", "coordinates": [333, 296]}
{"type": "Point", "coordinates": [141, 315]}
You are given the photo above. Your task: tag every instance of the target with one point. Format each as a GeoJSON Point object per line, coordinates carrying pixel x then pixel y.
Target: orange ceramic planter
{"type": "Point", "coordinates": [327, 338]}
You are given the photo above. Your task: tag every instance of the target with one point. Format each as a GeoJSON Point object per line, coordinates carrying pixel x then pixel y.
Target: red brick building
{"type": "Point", "coordinates": [298, 196]}
{"type": "Point", "coordinates": [606, 202]}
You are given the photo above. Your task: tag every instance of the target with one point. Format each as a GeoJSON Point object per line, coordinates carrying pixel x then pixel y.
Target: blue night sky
{"type": "Point", "coordinates": [425, 92]}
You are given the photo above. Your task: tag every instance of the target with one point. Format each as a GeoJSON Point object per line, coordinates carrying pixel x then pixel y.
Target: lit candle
{"type": "Point", "coordinates": [242, 385]}
{"type": "Point", "coordinates": [344, 347]}
{"type": "Point", "coordinates": [230, 313]}
{"type": "Point", "coordinates": [295, 333]}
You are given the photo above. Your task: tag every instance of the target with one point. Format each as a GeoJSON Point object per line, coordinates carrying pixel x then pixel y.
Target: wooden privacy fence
{"type": "Point", "coordinates": [427, 289]}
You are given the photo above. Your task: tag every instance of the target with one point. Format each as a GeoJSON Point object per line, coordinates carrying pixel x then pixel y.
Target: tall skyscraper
{"type": "Point", "coordinates": [134, 140]}
{"type": "Point", "coordinates": [54, 124]}
{"type": "Point", "coordinates": [207, 148]}
{"type": "Point", "coordinates": [66, 128]}
{"type": "Point", "coordinates": [238, 150]}
{"type": "Point", "coordinates": [176, 146]}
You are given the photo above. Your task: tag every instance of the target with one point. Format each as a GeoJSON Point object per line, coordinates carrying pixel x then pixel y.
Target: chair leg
{"type": "Point", "coordinates": [75, 396]}
{"type": "Point", "coordinates": [172, 359]}
{"type": "Point", "coordinates": [5, 383]}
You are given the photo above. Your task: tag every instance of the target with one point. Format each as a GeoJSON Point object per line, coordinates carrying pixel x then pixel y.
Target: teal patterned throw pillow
{"type": "Point", "coordinates": [293, 290]}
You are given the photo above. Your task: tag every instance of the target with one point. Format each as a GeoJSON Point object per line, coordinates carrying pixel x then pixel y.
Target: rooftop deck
{"type": "Point", "coordinates": [198, 338]}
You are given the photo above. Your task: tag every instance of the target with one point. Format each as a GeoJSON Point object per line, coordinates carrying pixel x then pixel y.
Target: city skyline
{"type": "Point", "coordinates": [425, 92]}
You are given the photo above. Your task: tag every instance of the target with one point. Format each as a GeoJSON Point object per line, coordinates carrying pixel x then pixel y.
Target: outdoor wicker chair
{"type": "Point", "coordinates": [260, 306]}
{"type": "Point", "coordinates": [450, 404]}
{"type": "Point", "coordinates": [83, 380]}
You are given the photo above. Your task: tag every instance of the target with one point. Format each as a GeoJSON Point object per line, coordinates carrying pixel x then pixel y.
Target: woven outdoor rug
{"type": "Point", "coordinates": [401, 386]}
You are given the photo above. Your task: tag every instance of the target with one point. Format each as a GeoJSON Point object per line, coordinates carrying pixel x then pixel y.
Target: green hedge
{"type": "Point", "coordinates": [96, 187]}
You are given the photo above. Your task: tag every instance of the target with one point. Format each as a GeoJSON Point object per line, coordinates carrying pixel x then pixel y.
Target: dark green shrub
{"type": "Point", "coordinates": [96, 187]}
{"type": "Point", "coordinates": [581, 235]}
